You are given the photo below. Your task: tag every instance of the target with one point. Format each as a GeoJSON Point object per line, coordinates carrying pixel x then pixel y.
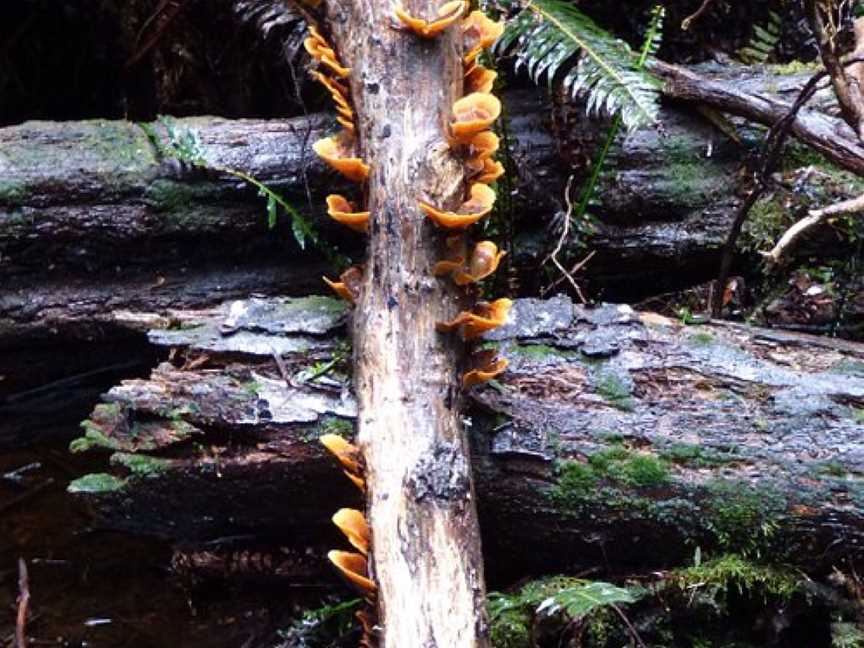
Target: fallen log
{"type": "Point", "coordinates": [99, 202]}
{"type": "Point", "coordinates": [611, 432]}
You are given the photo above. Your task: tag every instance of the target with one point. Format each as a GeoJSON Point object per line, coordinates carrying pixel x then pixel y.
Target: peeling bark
{"type": "Point", "coordinates": [426, 558]}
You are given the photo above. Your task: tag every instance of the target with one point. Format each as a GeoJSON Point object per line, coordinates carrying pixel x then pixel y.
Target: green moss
{"type": "Point", "coordinates": [831, 469]}
{"type": "Point", "coordinates": [766, 222]}
{"type": "Point", "coordinates": [93, 438]}
{"type": "Point", "coordinates": [743, 517]}
{"type": "Point", "coordinates": [140, 464]}
{"type": "Point", "coordinates": [12, 193]}
{"type": "Point", "coordinates": [735, 573]}
{"type": "Point", "coordinates": [335, 425]}
{"type": "Point", "coordinates": [614, 390]}
{"type": "Point", "coordinates": [539, 351]}
{"type": "Point", "coordinates": [848, 367]}
{"type": "Point", "coordinates": [795, 67]}
{"type": "Point", "coordinates": [171, 196]}
{"type": "Point", "coordinates": [846, 635]}
{"type": "Point", "coordinates": [687, 454]}
{"type": "Point", "coordinates": [580, 483]}
{"type": "Point", "coordinates": [96, 483]}
{"type": "Point", "coordinates": [702, 339]}
{"type": "Point", "coordinates": [858, 415]}
{"type": "Point", "coordinates": [685, 180]}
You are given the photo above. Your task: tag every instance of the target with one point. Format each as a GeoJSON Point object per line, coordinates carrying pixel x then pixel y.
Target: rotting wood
{"type": "Point", "coordinates": [727, 437]}
{"type": "Point", "coordinates": [426, 560]}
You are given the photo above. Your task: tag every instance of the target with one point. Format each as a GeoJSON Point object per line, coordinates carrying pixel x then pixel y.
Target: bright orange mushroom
{"type": "Point", "coordinates": [336, 150]}
{"type": "Point", "coordinates": [492, 170]}
{"type": "Point", "coordinates": [353, 524]}
{"type": "Point", "coordinates": [333, 86]}
{"type": "Point", "coordinates": [480, 79]}
{"type": "Point", "coordinates": [484, 261]}
{"type": "Point", "coordinates": [481, 147]}
{"type": "Point", "coordinates": [473, 325]}
{"type": "Point", "coordinates": [472, 114]}
{"type": "Point", "coordinates": [359, 482]}
{"type": "Point", "coordinates": [347, 453]}
{"type": "Point", "coordinates": [457, 250]}
{"type": "Point", "coordinates": [342, 211]}
{"type": "Point", "coordinates": [479, 32]}
{"type": "Point", "coordinates": [484, 373]}
{"type": "Point", "coordinates": [448, 14]}
{"type": "Point", "coordinates": [353, 567]}
{"type": "Point", "coordinates": [472, 210]}
{"type": "Point", "coordinates": [348, 287]}
{"type": "Point", "coordinates": [347, 124]}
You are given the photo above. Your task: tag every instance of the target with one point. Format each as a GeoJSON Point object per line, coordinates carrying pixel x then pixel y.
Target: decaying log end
{"type": "Point", "coordinates": [611, 431]}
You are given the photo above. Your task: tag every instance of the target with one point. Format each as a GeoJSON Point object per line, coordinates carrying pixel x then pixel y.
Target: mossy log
{"type": "Point", "coordinates": [101, 198]}
{"type": "Point", "coordinates": [612, 433]}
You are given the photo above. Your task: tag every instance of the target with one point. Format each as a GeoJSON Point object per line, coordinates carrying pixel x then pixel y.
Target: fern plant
{"type": "Point", "coordinates": [763, 42]}
{"type": "Point", "coordinates": [550, 37]}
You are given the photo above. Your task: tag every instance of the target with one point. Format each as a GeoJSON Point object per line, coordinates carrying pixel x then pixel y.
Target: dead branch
{"type": "Point", "coordinates": [815, 217]}
{"type": "Point", "coordinates": [23, 605]}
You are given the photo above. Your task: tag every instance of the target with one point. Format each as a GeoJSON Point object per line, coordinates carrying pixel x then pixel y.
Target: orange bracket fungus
{"type": "Point", "coordinates": [492, 170]}
{"type": "Point", "coordinates": [348, 286]}
{"type": "Point", "coordinates": [473, 325]}
{"type": "Point", "coordinates": [342, 211]}
{"type": "Point", "coordinates": [353, 524]}
{"type": "Point", "coordinates": [353, 567]}
{"type": "Point", "coordinates": [472, 210]}
{"type": "Point", "coordinates": [336, 152]}
{"type": "Point", "coordinates": [479, 79]}
{"type": "Point", "coordinates": [489, 368]}
{"type": "Point", "coordinates": [347, 453]}
{"type": "Point", "coordinates": [447, 15]}
{"type": "Point", "coordinates": [479, 32]}
{"type": "Point", "coordinates": [484, 261]}
{"type": "Point", "coordinates": [472, 114]}
{"type": "Point", "coordinates": [457, 248]}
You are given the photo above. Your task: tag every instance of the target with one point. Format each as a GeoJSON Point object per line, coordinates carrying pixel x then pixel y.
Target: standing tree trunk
{"type": "Point", "coordinates": [427, 560]}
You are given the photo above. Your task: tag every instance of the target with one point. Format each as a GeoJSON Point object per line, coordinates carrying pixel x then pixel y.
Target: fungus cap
{"type": "Point", "coordinates": [353, 524]}
{"type": "Point", "coordinates": [472, 210]}
{"type": "Point", "coordinates": [485, 373]}
{"type": "Point", "coordinates": [472, 114]}
{"type": "Point", "coordinates": [342, 211]}
{"type": "Point", "coordinates": [347, 453]}
{"type": "Point", "coordinates": [480, 31]}
{"type": "Point", "coordinates": [480, 79]}
{"type": "Point", "coordinates": [448, 14]}
{"type": "Point", "coordinates": [492, 170]}
{"type": "Point", "coordinates": [473, 325]}
{"type": "Point", "coordinates": [484, 261]}
{"type": "Point", "coordinates": [336, 151]}
{"type": "Point", "coordinates": [353, 567]}
{"type": "Point", "coordinates": [340, 289]}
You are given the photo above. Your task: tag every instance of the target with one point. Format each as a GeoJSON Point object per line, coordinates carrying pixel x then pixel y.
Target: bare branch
{"type": "Point", "coordinates": [815, 217]}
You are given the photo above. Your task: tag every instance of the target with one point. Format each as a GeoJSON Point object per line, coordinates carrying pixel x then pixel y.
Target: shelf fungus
{"type": "Point", "coordinates": [479, 32]}
{"type": "Point", "coordinates": [487, 316]}
{"type": "Point", "coordinates": [492, 170]}
{"type": "Point", "coordinates": [479, 79]}
{"type": "Point", "coordinates": [353, 524]}
{"type": "Point", "coordinates": [488, 366]}
{"type": "Point", "coordinates": [484, 261]}
{"type": "Point", "coordinates": [337, 151]}
{"type": "Point", "coordinates": [342, 211]}
{"type": "Point", "coordinates": [473, 114]}
{"type": "Point", "coordinates": [472, 210]}
{"type": "Point", "coordinates": [353, 568]}
{"type": "Point", "coordinates": [320, 50]}
{"type": "Point", "coordinates": [447, 15]}
{"type": "Point", "coordinates": [348, 286]}
{"type": "Point", "coordinates": [347, 453]}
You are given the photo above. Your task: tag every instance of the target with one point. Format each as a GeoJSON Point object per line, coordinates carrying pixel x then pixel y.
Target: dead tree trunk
{"type": "Point", "coordinates": [427, 560]}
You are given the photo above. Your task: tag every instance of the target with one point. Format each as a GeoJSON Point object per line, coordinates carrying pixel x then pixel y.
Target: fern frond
{"type": "Point", "coordinates": [549, 35]}
{"type": "Point", "coordinates": [763, 42]}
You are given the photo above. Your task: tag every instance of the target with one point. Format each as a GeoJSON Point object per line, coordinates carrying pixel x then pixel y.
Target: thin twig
{"type": "Point", "coordinates": [23, 605]}
{"type": "Point", "coordinates": [565, 232]}
{"type": "Point", "coordinates": [685, 24]}
{"type": "Point", "coordinates": [771, 147]}
{"type": "Point", "coordinates": [629, 625]}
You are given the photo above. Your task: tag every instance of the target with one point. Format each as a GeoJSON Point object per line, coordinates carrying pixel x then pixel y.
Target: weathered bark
{"type": "Point", "coordinates": [729, 438]}
{"type": "Point", "coordinates": [830, 137]}
{"type": "Point", "coordinates": [426, 558]}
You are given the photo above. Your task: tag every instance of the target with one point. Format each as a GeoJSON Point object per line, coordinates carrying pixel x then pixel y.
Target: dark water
{"type": "Point", "coordinates": [98, 588]}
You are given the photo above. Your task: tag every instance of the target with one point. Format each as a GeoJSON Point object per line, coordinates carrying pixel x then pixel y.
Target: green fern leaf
{"type": "Point", "coordinates": [586, 597]}
{"type": "Point", "coordinates": [549, 35]}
